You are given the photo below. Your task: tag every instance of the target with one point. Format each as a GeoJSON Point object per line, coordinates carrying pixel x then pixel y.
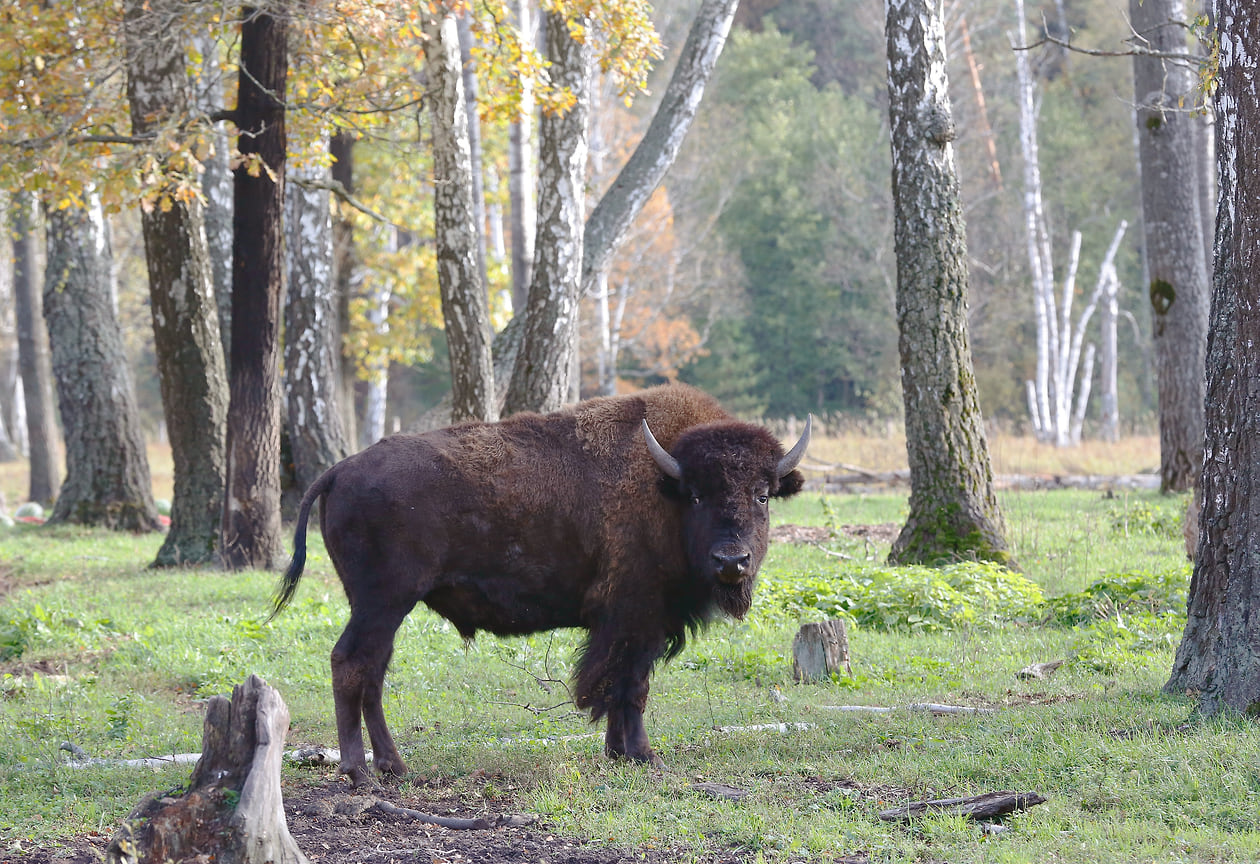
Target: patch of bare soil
{"type": "Point", "coordinates": [885, 532]}
{"type": "Point", "coordinates": [331, 824]}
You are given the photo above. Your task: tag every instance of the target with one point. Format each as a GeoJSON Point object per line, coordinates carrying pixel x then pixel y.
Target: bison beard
{"type": "Point", "coordinates": [635, 517]}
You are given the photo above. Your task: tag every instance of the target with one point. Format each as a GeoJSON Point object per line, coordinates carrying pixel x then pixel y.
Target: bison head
{"type": "Point", "coordinates": [724, 475]}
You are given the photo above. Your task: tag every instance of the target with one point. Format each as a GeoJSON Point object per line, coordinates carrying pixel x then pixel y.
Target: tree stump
{"type": "Point", "coordinates": [232, 810]}
{"type": "Point", "coordinates": [819, 651]}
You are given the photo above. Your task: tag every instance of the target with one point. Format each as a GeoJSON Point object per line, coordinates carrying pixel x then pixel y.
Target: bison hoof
{"type": "Point", "coordinates": [358, 774]}
{"type": "Point", "coordinates": [391, 766]}
{"type": "Point", "coordinates": [649, 758]}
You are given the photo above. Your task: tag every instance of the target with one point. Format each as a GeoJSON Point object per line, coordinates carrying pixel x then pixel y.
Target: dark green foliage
{"type": "Point", "coordinates": [1134, 593]}
{"type": "Point", "coordinates": [1141, 517]}
{"type": "Point", "coordinates": [804, 177]}
{"type": "Point", "coordinates": [918, 599]}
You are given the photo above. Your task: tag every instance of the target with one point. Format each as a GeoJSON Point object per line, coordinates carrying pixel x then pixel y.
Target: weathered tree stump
{"type": "Point", "coordinates": [232, 810]}
{"type": "Point", "coordinates": [819, 651]}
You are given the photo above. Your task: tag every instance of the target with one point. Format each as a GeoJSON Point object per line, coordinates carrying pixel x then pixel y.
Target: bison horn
{"type": "Point", "coordinates": [668, 464]}
{"type": "Point", "coordinates": [794, 456]}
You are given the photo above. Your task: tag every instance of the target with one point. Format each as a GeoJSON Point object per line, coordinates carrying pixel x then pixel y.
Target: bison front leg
{"type": "Point", "coordinates": [612, 682]}
{"type": "Point", "coordinates": [359, 662]}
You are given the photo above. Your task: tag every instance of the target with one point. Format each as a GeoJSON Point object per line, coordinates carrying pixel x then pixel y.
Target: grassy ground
{"type": "Point", "coordinates": [100, 651]}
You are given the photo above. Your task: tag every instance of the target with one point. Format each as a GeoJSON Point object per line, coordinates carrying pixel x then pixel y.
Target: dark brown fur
{"type": "Point", "coordinates": [539, 522]}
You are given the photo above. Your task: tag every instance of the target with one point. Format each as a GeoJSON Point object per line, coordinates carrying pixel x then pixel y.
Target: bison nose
{"type": "Point", "coordinates": [731, 567]}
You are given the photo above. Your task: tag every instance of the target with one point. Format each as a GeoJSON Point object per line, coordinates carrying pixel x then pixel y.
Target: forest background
{"type": "Point", "coordinates": [762, 270]}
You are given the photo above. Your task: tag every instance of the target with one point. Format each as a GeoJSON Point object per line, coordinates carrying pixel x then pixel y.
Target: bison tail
{"type": "Point", "coordinates": [288, 585]}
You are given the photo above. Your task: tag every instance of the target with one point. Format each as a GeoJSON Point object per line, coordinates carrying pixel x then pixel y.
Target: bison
{"type": "Point", "coordinates": [637, 518]}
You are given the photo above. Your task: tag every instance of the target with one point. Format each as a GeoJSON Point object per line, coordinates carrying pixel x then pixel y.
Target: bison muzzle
{"type": "Point", "coordinates": [638, 518]}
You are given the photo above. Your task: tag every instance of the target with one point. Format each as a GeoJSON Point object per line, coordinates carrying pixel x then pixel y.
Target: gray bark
{"type": "Point", "coordinates": [953, 509]}
{"type": "Point", "coordinates": [612, 217]}
{"type": "Point", "coordinates": [107, 471]}
{"type": "Point", "coordinates": [521, 178]}
{"type": "Point", "coordinates": [33, 358]}
{"type": "Point", "coordinates": [476, 169]}
{"type": "Point", "coordinates": [346, 274]}
{"type": "Point", "coordinates": [216, 183]}
{"type": "Point", "coordinates": [460, 250]}
{"type": "Point", "coordinates": [1218, 660]}
{"type": "Point", "coordinates": [541, 378]}
{"type": "Point", "coordinates": [1176, 267]}
{"type": "Point", "coordinates": [187, 341]}
{"type": "Point", "coordinates": [312, 332]}
{"type": "Point", "coordinates": [8, 351]}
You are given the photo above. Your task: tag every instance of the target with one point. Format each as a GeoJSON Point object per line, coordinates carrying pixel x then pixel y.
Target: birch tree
{"type": "Point", "coordinates": [953, 510]}
{"type": "Point", "coordinates": [312, 344]}
{"type": "Point", "coordinates": [541, 377]}
{"type": "Point", "coordinates": [1164, 93]}
{"type": "Point", "coordinates": [460, 250]}
{"type": "Point", "coordinates": [1218, 661]}
{"type": "Point", "coordinates": [1059, 394]}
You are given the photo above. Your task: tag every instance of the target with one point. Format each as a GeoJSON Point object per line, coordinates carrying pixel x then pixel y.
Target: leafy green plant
{"type": "Point", "coordinates": [1134, 592]}
{"type": "Point", "coordinates": [1143, 517]}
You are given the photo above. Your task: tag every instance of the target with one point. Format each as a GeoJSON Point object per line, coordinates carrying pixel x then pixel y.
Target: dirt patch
{"type": "Point", "coordinates": [885, 532]}
{"type": "Point", "coordinates": [333, 824]}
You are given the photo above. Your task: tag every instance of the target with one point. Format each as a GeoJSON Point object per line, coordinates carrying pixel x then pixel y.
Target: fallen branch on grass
{"type": "Point", "coordinates": [481, 823]}
{"type": "Point", "coordinates": [931, 707]}
{"type": "Point", "coordinates": [987, 806]}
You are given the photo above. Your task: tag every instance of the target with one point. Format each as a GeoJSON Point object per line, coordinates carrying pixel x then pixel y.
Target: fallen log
{"type": "Point", "coordinates": [987, 806]}
{"type": "Point", "coordinates": [232, 811]}
{"type": "Point", "coordinates": [930, 707]}
{"type": "Point", "coordinates": [480, 823]}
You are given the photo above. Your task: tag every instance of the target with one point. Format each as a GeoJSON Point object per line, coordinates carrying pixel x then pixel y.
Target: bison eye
{"type": "Point", "coordinates": [762, 499]}
{"type": "Point", "coordinates": [695, 499]}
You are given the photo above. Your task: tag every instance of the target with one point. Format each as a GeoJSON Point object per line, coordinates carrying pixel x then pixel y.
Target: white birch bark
{"type": "Point", "coordinates": [521, 191]}
{"type": "Point", "coordinates": [460, 251]}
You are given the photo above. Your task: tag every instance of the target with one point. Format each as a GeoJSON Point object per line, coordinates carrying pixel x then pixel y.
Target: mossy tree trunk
{"type": "Point", "coordinates": [1164, 89]}
{"type": "Point", "coordinates": [107, 470]}
{"type": "Point", "coordinates": [953, 510]}
{"type": "Point", "coordinates": [1218, 660]}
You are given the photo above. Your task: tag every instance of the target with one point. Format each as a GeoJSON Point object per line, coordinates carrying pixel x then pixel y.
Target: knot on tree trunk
{"type": "Point", "coordinates": [232, 809]}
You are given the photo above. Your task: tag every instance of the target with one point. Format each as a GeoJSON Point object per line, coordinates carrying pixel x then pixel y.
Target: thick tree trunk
{"type": "Point", "coordinates": [1175, 264]}
{"type": "Point", "coordinates": [1218, 660]}
{"type": "Point", "coordinates": [312, 347]}
{"type": "Point", "coordinates": [251, 514]}
{"type": "Point", "coordinates": [107, 471]}
{"type": "Point", "coordinates": [346, 275]}
{"type": "Point", "coordinates": [33, 358]}
{"type": "Point", "coordinates": [460, 251]}
{"type": "Point", "coordinates": [521, 179]}
{"type": "Point", "coordinates": [541, 379]}
{"type": "Point", "coordinates": [953, 510]}
{"type": "Point", "coordinates": [186, 336]}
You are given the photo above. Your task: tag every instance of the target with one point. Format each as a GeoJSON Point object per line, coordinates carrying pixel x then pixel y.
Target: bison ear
{"type": "Point", "coordinates": [790, 484]}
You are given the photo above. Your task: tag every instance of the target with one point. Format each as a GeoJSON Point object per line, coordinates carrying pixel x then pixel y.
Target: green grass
{"type": "Point", "coordinates": [98, 650]}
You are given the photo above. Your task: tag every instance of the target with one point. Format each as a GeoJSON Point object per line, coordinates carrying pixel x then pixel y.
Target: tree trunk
{"type": "Point", "coordinates": [953, 510]}
{"type": "Point", "coordinates": [33, 358]}
{"type": "Point", "coordinates": [460, 251]}
{"type": "Point", "coordinates": [476, 169]}
{"type": "Point", "coordinates": [186, 337]}
{"type": "Point", "coordinates": [1174, 241]}
{"type": "Point", "coordinates": [216, 185]}
{"type": "Point", "coordinates": [8, 350]}
{"type": "Point", "coordinates": [611, 219]}
{"type": "Point", "coordinates": [312, 346]}
{"type": "Point", "coordinates": [107, 471]}
{"type": "Point", "coordinates": [346, 275]}
{"type": "Point", "coordinates": [1218, 660]}
{"type": "Point", "coordinates": [251, 513]}
{"type": "Point", "coordinates": [521, 179]}
{"type": "Point", "coordinates": [540, 381]}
